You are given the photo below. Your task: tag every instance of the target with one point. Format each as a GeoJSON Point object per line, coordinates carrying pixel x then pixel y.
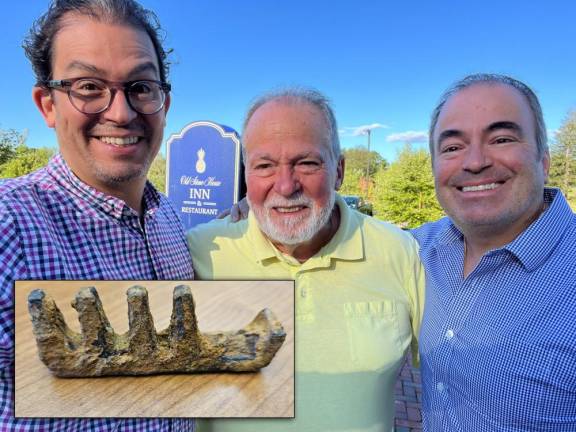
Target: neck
{"type": "Point", "coordinates": [480, 240]}
{"type": "Point", "coordinates": [131, 195]}
{"type": "Point", "coordinates": [131, 192]}
{"type": "Point", "coordinates": [304, 251]}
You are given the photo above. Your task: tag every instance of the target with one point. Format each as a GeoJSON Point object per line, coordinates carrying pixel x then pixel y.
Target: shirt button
{"type": "Point", "coordinates": [440, 387]}
{"type": "Point", "coordinates": [449, 334]}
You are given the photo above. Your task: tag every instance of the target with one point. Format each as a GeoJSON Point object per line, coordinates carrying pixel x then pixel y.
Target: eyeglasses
{"type": "Point", "coordinates": [95, 95]}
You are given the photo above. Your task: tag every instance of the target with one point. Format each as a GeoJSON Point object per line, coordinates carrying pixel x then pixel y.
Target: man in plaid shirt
{"type": "Point", "coordinates": [90, 213]}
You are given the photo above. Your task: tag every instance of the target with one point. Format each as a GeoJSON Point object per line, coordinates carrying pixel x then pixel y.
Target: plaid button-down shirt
{"type": "Point", "coordinates": [498, 348]}
{"type": "Point", "coordinates": [53, 226]}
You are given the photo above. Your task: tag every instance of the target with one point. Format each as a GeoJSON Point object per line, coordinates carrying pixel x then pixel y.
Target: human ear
{"type": "Point", "coordinates": [43, 99]}
{"type": "Point", "coordinates": [546, 165]}
{"type": "Point", "coordinates": [340, 173]}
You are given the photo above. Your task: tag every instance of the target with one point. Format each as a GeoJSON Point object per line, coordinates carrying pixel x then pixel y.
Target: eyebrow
{"type": "Point", "coordinates": [509, 125]}
{"type": "Point", "coordinates": [142, 67]}
{"type": "Point", "coordinates": [449, 133]}
{"type": "Point", "coordinates": [270, 158]}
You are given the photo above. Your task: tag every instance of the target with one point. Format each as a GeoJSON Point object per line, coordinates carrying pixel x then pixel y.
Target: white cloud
{"type": "Point", "coordinates": [361, 130]}
{"type": "Point", "coordinates": [408, 136]}
{"type": "Point", "coordinates": [552, 133]}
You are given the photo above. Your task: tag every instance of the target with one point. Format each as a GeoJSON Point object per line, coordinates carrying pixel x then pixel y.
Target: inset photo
{"type": "Point", "coordinates": [154, 349]}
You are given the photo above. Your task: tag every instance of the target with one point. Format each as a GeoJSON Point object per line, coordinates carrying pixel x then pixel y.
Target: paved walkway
{"type": "Point", "coordinates": [408, 399]}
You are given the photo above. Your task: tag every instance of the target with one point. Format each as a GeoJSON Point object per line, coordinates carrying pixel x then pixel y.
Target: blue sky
{"type": "Point", "coordinates": [379, 62]}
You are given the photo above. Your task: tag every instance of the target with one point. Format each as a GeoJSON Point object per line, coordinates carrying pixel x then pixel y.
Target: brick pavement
{"type": "Point", "coordinates": [408, 398]}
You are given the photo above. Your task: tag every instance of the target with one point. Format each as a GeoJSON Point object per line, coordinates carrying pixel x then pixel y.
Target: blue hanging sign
{"type": "Point", "coordinates": [203, 171]}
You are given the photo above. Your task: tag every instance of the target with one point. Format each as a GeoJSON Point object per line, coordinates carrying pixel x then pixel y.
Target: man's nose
{"type": "Point", "coordinates": [477, 157]}
{"type": "Point", "coordinates": [120, 111]}
{"type": "Point", "coordinates": [286, 182]}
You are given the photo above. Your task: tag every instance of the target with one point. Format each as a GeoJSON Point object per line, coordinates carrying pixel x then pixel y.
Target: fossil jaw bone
{"type": "Point", "coordinates": [98, 351]}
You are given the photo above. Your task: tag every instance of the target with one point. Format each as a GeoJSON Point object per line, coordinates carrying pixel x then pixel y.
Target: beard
{"type": "Point", "coordinates": [292, 230]}
{"type": "Point", "coordinates": [108, 177]}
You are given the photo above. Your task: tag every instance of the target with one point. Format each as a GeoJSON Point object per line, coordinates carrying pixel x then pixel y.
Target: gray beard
{"type": "Point", "coordinates": [294, 232]}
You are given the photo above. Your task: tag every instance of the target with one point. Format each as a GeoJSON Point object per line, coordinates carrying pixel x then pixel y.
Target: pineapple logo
{"type": "Point", "coordinates": [200, 164]}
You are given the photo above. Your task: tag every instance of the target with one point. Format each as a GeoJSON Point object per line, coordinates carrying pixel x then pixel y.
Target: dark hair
{"type": "Point", "coordinates": [494, 79]}
{"type": "Point", "coordinates": [308, 96]}
{"type": "Point", "coordinates": [38, 45]}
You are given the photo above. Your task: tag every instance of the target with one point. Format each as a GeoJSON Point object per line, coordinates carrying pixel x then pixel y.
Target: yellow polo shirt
{"type": "Point", "coordinates": [358, 304]}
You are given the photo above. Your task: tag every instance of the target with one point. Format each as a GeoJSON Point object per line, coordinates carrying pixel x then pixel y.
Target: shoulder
{"type": "Point", "coordinates": [215, 231]}
{"type": "Point", "coordinates": [220, 249]}
{"type": "Point", "coordinates": [21, 195]}
{"type": "Point", "coordinates": [383, 235]}
{"type": "Point", "coordinates": [428, 234]}
{"type": "Point", "coordinates": [20, 204]}
{"type": "Point", "coordinates": [24, 185]}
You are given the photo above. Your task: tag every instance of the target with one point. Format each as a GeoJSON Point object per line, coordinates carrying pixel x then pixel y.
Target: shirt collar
{"type": "Point", "coordinates": [537, 242]}
{"type": "Point", "coordinates": [347, 244]}
{"type": "Point", "coordinates": [533, 246]}
{"type": "Point", "coordinates": [89, 197]}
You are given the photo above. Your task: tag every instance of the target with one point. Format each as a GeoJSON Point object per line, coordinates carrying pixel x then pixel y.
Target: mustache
{"type": "Point", "coordinates": [489, 175]}
{"type": "Point", "coordinates": [117, 131]}
{"type": "Point", "coordinates": [297, 200]}
{"type": "Point", "coordinates": [134, 128]}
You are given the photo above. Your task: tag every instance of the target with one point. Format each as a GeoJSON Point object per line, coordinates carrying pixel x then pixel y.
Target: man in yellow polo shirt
{"type": "Point", "coordinates": [359, 282]}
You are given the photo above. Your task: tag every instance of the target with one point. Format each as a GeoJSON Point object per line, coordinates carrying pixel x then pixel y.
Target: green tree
{"type": "Point", "coordinates": [357, 160]}
{"type": "Point", "coordinates": [352, 184]}
{"type": "Point", "coordinates": [25, 160]}
{"type": "Point", "coordinates": [157, 173]}
{"type": "Point", "coordinates": [563, 159]}
{"type": "Point", "coordinates": [10, 139]}
{"type": "Point", "coordinates": [404, 192]}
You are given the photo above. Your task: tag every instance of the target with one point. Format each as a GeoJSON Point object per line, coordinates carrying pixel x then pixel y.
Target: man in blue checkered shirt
{"type": "Point", "coordinates": [90, 213]}
{"type": "Point", "coordinates": [498, 339]}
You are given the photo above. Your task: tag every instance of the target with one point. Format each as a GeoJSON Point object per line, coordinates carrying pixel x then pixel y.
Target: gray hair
{"type": "Point", "coordinates": [493, 79]}
{"type": "Point", "coordinates": [308, 96]}
{"type": "Point", "coordinates": [38, 45]}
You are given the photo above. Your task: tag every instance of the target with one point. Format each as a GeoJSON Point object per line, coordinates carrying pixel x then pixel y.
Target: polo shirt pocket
{"type": "Point", "coordinates": [379, 333]}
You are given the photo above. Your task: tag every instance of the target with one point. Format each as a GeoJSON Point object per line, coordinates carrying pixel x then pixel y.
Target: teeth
{"type": "Point", "coordinates": [288, 209]}
{"type": "Point", "coordinates": [119, 141]}
{"type": "Point", "coordinates": [480, 187]}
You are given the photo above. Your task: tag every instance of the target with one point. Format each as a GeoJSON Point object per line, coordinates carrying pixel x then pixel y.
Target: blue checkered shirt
{"type": "Point", "coordinates": [498, 348]}
{"type": "Point", "coordinates": [53, 226]}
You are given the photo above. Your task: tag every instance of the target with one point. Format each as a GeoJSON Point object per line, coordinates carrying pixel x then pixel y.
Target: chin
{"type": "Point", "coordinates": [124, 176]}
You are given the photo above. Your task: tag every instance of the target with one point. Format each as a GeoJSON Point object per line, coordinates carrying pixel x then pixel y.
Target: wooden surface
{"type": "Point", "coordinates": [220, 305]}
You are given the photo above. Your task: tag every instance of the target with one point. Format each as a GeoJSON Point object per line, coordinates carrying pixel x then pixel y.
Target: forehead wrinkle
{"type": "Point", "coordinates": [298, 156]}
{"type": "Point", "coordinates": [96, 71]}
{"type": "Point", "coordinates": [76, 64]}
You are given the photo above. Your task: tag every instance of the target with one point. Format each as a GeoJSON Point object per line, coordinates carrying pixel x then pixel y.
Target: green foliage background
{"type": "Point", "coordinates": [401, 192]}
{"type": "Point", "coordinates": [563, 159]}
{"type": "Point", "coordinates": [404, 193]}
{"type": "Point", "coordinates": [157, 173]}
{"type": "Point", "coordinates": [16, 159]}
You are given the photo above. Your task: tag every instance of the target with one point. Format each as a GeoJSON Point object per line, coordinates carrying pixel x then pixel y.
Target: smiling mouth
{"type": "Point", "coordinates": [119, 141]}
{"type": "Point", "coordinates": [289, 209]}
{"type": "Point", "coordinates": [482, 187]}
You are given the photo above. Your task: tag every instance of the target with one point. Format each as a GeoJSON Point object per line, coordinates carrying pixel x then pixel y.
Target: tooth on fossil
{"type": "Point", "coordinates": [181, 348]}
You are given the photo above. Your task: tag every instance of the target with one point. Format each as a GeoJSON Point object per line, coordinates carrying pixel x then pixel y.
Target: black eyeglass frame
{"type": "Point", "coordinates": [66, 85]}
